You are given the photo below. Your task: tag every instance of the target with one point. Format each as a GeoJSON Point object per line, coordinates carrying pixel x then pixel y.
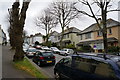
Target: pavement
{"type": "Point", "coordinates": [0, 61]}
{"type": "Point", "coordinates": [9, 72]}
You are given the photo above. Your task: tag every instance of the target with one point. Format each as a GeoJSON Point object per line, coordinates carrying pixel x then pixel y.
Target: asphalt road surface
{"type": "Point", "coordinates": [49, 70]}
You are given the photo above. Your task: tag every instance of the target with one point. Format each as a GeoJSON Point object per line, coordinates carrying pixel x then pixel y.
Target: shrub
{"type": "Point", "coordinates": [70, 46]}
{"type": "Point", "coordinates": [85, 48]}
{"type": "Point", "coordinates": [112, 49]}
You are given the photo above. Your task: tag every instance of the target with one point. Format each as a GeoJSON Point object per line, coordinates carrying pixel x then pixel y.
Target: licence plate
{"type": "Point", "coordinates": [49, 61]}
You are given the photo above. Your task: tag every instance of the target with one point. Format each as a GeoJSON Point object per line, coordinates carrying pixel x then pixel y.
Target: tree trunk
{"type": "Point", "coordinates": [104, 31]}
{"type": "Point", "coordinates": [19, 54]}
{"type": "Point", "coordinates": [62, 35]}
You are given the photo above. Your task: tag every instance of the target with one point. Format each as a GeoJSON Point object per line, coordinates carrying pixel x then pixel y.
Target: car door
{"type": "Point", "coordinates": [81, 69]}
{"type": "Point", "coordinates": [36, 57]}
{"type": "Point", "coordinates": [65, 68]}
{"type": "Point", "coordinates": [104, 71]}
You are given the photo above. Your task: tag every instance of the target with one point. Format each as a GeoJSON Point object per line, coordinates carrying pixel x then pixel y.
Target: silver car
{"type": "Point", "coordinates": [66, 52]}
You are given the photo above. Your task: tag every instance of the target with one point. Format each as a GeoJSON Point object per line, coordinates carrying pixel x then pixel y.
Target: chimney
{"type": "Point", "coordinates": [99, 20]}
{"type": "Point", "coordinates": [67, 27]}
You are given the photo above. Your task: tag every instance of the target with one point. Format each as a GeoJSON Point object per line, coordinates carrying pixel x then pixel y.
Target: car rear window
{"type": "Point", "coordinates": [47, 53]}
{"type": "Point", "coordinates": [32, 50]}
{"type": "Point", "coordinates": [54, 48]}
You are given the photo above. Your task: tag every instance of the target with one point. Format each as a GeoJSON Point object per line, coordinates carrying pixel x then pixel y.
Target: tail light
{"type": "Point", "coordinates": [53, 57]}
{"type": "Point", "coordinates": [41, 58]}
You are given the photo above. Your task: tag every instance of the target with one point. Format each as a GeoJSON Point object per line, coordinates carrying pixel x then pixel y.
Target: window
{"type": "Point", "coordinates": [83, 65]}
{"type": "Point", "coordinates": [67, 35]}
{"type": "Point", "coordinates": [80, 37]}
{"type": "Point", "coordinates": [99, 33]}
{"type": "Point", "coordinates": [59, 37]}
{"type": "Point", "coordinates": [88, 35]}
{"type": "Point", "coordinates": [67, 61]}
{"type": "Point", "coordinates": [110, 31]}
{"type": "Point", "coordinates": [105, 70]}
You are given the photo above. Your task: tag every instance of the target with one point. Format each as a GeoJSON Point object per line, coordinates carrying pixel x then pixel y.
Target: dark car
{"type": "Point", "coordinates": [85, 67]}
{"type": "Point", "coordinates": [44, 57]}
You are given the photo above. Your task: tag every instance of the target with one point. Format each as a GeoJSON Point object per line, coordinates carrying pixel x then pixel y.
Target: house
{"type": "Point", "coordinates": [53, 37]}
{"type": "Point", "coordinates": [70, 36]}
{"type": "Point", "coordinates": [33, 38]}
{"type": "Point", "coordinates": [38, 37]}
{"type": "Point", "coordinates": [3, 37]}
{"type": "Point", "coordinates": [93, 36]}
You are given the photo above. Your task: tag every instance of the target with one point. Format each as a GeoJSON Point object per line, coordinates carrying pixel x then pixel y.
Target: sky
{"type": "Point", "coordinates": [35, 9]}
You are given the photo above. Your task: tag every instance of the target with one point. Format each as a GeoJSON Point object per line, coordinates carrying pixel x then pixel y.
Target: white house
{"type": "Point", "coordinates": [38, 37]}
{"type": "Point", "coordinates": [33, 38]}
{"type": "Point", "coordinates": [53, 36]}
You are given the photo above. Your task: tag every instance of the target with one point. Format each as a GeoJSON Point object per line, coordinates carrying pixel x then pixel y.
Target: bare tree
{"type": "Point", "coordinates": [64, 12]}
{"type": "Point", "coordinates": [11, 29]}
{"type": "Point", "coordinates": [18, 21]}
{"type": "Point", "coordinates": [103, 5]}
{"type": "Point", "coordinates": [46, 21]}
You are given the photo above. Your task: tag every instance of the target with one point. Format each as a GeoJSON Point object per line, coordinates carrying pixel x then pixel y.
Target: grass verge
{"type": "Point", "coordinates": [28, 67]}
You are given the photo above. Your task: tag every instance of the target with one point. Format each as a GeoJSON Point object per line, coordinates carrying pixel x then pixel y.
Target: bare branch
{"type": "Point", "coordinates": [113, 10]}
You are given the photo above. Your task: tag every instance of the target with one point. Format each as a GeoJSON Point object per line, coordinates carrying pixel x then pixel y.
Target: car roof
{"type": "Point", "coordinates": [43, 51]}
{"type": "Point", "coordinates": [101, 58]}
{"type": "Point", "coordinates": [31, 48]}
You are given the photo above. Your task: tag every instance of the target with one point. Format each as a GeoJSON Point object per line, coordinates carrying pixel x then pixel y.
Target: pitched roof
{"type": "Point", "coordinates": [72, 30]}
{"type": "Point", "coordinates": [93, 27]}
{"type": "Point", "coordinates": [53, 33]}
{"type": "Point", "coordinates": [38, 34]}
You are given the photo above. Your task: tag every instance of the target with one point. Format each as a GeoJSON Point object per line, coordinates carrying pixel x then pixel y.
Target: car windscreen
{"type": "Point", "coordinates": [54, 48]}
{"type": "Point", "coordinates": [47, 53]}
{"type": "Point", "coordinates": [64, 50]}
{"type": "Point", "coordinates": [31, 50]}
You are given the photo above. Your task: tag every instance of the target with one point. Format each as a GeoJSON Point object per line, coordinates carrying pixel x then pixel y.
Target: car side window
{"type": "Point", "coordinates": [67, 61]}
{"type": "Point", "coordinates": [38, 53]}
{"type": "Point", "coordinates": [61, 61]}
{"type": "Point", "coordinates": [82, 64]}
{"type": "Point", "coordinates": [104, 69]}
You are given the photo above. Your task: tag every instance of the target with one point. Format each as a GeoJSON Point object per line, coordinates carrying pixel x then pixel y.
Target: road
{"type": "Point", "coordinates": [49, 70]}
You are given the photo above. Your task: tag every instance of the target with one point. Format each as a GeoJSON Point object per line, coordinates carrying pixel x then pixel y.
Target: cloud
{"type": "Point", "coordinates": [37, 6]}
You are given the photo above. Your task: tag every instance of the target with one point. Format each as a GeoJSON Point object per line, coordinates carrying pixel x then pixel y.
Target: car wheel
{"type": "Point", "coordinates": [57, 76]}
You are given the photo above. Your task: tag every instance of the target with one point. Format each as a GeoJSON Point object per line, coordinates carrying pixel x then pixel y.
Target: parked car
{"type": "Point", "coordinates": [30, 52]}
{"type": "Point", "coordinates": [88, 67]}
{"type": "Point", "coordinates": [66, 51]}
{"type": "Point", "coordinates": [38, 47]}
{"type": "Point", "coordinates": [55, 50]}
{"type": "Point", "coordinates": [44, 57]}
{"type": "Point", "coordinates": [25, 47]}
{"type": "Point", "coordinates": [45, 48]}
